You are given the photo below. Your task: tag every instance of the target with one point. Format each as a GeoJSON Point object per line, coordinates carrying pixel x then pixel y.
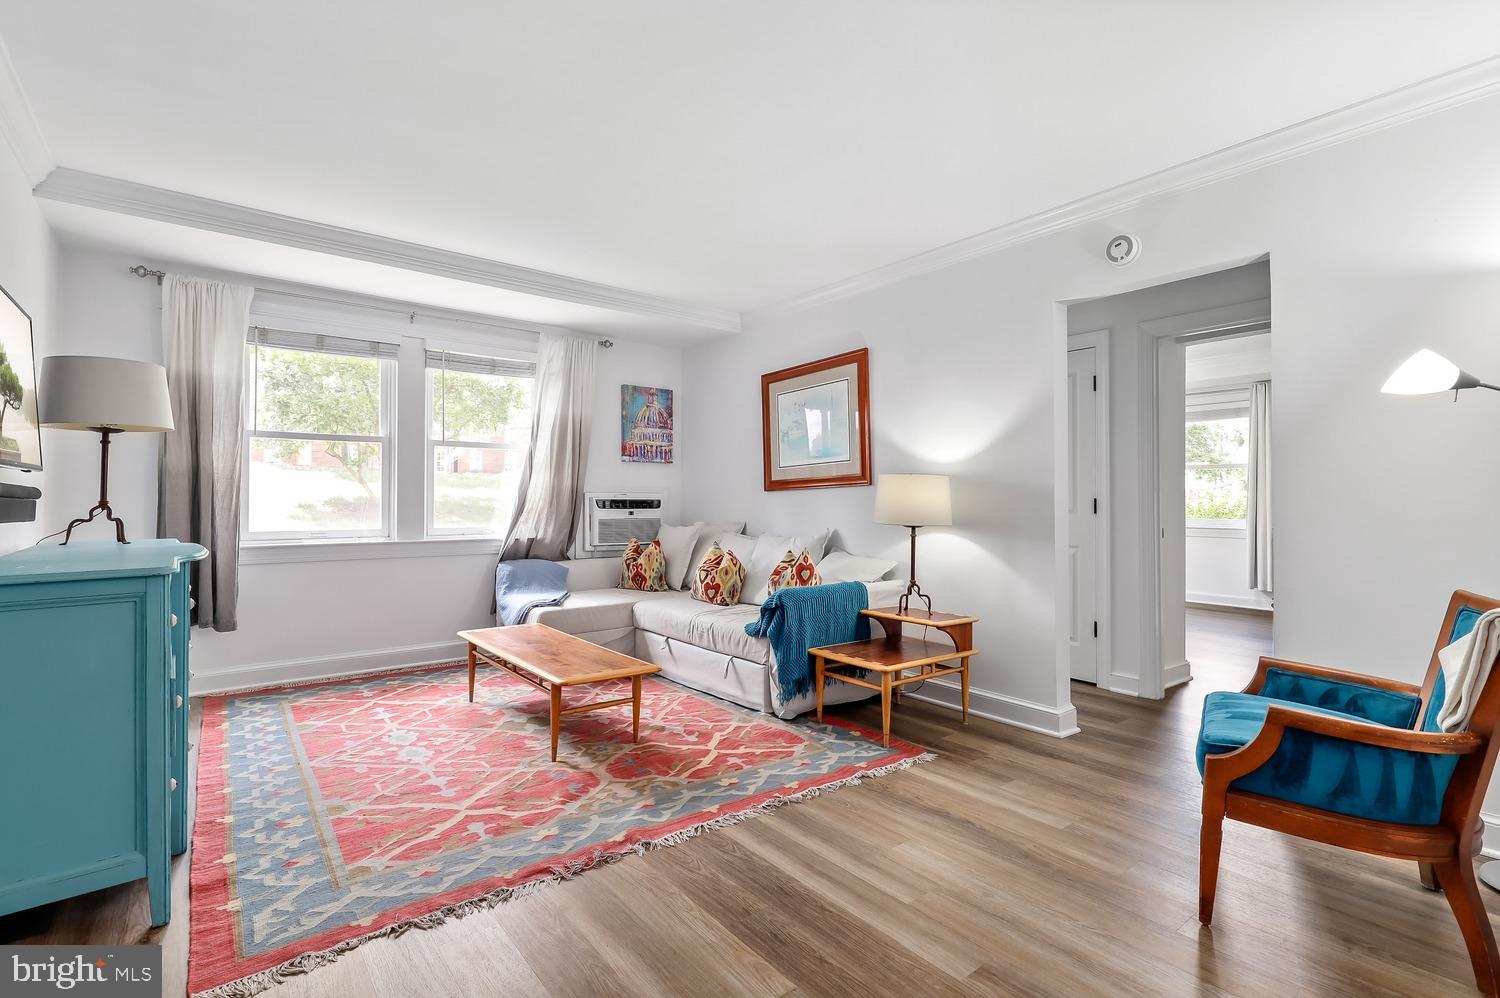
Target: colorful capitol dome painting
{"type": "Point", "coordinates": [645, 424]}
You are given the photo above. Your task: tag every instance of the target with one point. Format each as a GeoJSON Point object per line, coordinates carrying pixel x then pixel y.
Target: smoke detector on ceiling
{"type": "Point", "coordinates": [1122, 249]}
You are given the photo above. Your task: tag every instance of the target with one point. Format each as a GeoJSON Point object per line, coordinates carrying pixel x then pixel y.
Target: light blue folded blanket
{"type": "Point", "coordinates": [804, 617]}
{"type": "Point", "coordinates": [523, 585]}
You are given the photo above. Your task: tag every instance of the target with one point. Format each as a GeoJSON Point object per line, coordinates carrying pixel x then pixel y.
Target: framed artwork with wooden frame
{"type": "Point", "coordinates": [815, 423]}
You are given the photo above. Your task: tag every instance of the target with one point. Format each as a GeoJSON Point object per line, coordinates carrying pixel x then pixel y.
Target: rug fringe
{"type": "Point", "coordinates": [246, 987]}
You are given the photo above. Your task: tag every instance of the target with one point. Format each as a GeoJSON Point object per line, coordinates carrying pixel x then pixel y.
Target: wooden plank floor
{"type": "Point", "coordinates": [1016, 864]}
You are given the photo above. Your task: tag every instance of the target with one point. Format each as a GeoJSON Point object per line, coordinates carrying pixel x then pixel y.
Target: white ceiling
{"type": "Point", "coordinates": [734, 154]}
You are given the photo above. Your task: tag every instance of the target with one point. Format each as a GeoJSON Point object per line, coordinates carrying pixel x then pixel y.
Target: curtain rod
{"type": "Point", "coordinates": [141, 270]}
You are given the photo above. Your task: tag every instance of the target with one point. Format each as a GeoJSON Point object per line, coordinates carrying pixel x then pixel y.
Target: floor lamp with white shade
{"type": "Point", "coordinates": [1429, 373]}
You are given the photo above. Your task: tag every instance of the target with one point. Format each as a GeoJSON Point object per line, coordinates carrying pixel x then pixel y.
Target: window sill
{"type": "Point", "coordinates": [289, 552]}
{"type": "Point", "coordinates": [1207, 530]}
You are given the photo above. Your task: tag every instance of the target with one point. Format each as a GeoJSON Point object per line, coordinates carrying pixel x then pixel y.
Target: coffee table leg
{"type": "Point", "coordinates": [635, 708]}
{"type": "Point", "coordinates": [965, 677]}
{"type": "Point", "coordinates": [885, 708]}
{"type": "Point", "coordinates": [556, 716]}
{"type": "Point", "coordinates": [472, 665]}
{"type": "Point", "coordinates": [818, 683]}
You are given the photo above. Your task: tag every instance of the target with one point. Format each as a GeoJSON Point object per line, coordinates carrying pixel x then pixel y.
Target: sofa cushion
{"type": "Point", "coordinates": [644, 567]}
{"type": "Point", "coordinates": [841, 566]}
{"type": "Point", "coordinates": [677, 545]}
{"type": "Point", "coordinates": [717, 628]}
{"type": "Point", "coordinates": [768, 552]}
{"type": "Point", "coordinates": [708, 534]}
{"type": "Point", "coordinates": [794, 570]}
{"type": "Point", "coordinates": [592, 610]}
{"type": "Point", "coordinates": [719, 578]}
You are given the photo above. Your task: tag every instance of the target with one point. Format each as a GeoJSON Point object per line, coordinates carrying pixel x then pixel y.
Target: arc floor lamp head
{"type": "Point", "coordinates": [1429, 373]}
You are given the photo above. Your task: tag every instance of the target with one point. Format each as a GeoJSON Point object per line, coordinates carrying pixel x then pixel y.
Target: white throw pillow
{"type": "Point", "coordinates": [743, 547]}
{"type": "Point", "coordinates": [707, 534]}
{"type": "Point", "coordinates": [769, 550]}
{"type": "Point", "coordinates": [677, 546]}
{"type": "Point", "coordinates": [841, 566]}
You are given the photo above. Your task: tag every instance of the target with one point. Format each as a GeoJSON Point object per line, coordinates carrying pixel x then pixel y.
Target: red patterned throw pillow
{"type": "Point", "coordinates": [794, 571]}
{"type": "Point", "coordinates": [719, 578]}
{"type": "Point", "coordinates": [645, 568]}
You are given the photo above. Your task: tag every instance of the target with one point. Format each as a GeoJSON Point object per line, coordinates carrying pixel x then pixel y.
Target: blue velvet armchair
{"type": "Point", "coordinates": [1358, 762]}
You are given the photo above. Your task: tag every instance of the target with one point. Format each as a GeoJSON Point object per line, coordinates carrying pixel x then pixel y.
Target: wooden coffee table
{"type": "Point", "coordinates": [900, 659]}
{"type": "Point", "coordinates": [551, 660]}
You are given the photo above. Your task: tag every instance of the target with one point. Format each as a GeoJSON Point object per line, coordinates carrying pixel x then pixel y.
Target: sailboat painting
{"type": "Point", "coordinates": [645, 424]}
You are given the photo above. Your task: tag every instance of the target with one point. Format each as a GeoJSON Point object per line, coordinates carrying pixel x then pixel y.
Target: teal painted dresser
{"type": "Point", "coordinates": [93, 719]}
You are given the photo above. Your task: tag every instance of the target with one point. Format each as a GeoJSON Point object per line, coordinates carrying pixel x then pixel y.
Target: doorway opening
{"type": "Point", "coordinates": [1168, 396]}
{"type": "Point", "coordinates": [1227, 568]}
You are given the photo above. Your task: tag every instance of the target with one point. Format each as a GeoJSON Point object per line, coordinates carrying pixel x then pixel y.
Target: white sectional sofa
{"type": "Point", "coordinates": [696, 644]}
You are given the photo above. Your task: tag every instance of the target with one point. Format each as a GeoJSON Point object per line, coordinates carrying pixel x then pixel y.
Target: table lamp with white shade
{"type": "Point", "coordinates": [106, 395]}
{"type": "Point", "coordinates": [913, 501]}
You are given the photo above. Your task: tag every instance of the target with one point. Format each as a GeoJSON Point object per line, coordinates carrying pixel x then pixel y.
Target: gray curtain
{"type": "Point", "coordinates": [1258, 519]}
{"type": "Point", "coordinates": [550, 499]}
{"type": "Point", "coordinates": [198, 479]}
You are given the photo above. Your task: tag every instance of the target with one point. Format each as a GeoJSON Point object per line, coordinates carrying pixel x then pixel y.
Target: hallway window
{"type": "Point", "coordinates": [1218, 456]}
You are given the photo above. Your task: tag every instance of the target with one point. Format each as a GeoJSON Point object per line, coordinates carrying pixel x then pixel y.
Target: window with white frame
{"type": "Point", "coordinates": [318, 416]}
{"type": "Point", "coordinates": [1217, 465]}
{"type": "Point", "coordinates": [479, 412]}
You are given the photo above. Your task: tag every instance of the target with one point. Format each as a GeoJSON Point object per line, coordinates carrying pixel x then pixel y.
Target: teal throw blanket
{"type": "Point", "coordinates": [804, 617]}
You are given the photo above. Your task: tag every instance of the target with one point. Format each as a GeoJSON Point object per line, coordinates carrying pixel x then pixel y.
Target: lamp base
{"type": "Point", "coordinates": [109, 514]}
{"type": "Point", "coordinates": [912, 589]}
{"type": "Point", "coordinates": [102, 506]}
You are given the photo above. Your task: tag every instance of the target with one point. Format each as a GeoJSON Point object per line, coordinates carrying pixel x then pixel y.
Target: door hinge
{"type": "Point", "coordinates": [1096, 628]}
{"type": "Point", "coordinates": [1096, 506]}
{"type": "Point", "coordinates": [1096, 382]}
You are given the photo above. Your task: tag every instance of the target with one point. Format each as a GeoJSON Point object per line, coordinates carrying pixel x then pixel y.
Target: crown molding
{"type": "Point", "coordinates": [1430, 96]}
{"type": "Point", "coordinates": [126, 197]}
{"type": "Point", "coordinates": [18, 124]}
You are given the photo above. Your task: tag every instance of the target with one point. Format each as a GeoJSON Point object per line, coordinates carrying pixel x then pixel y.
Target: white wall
{"type": "Point", "coordinates": [1218, 569]}
{"type": "Point", "coordinates": [309, 618]}
{"type": "Point", "coordinates": [1378, 245]}
{"type": "Point", "coordinates": [28, 270]}
{"type": "Point", "coordinates": [961, 382]}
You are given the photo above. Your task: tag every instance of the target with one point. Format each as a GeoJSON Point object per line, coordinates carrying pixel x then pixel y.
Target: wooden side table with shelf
{"type": "Point", "coordinates": [894, 655]}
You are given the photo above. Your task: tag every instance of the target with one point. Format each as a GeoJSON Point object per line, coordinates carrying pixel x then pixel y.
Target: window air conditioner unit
{"type": "Point", "coordinates": [614, 519]}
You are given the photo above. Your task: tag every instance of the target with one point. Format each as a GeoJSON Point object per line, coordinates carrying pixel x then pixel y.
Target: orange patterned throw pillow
{"type": "Point", "coordinates": [794, 571]}
{"type": "Point", "coordinates": [645, 568]}
{"type": "Point", "coordinates": [719, 577]}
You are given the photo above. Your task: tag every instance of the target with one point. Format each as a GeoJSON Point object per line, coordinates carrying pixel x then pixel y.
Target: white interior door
{"type": "Point", "coordinates": [1083, 512]}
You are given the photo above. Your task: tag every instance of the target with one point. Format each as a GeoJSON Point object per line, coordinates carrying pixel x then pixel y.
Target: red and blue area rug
{"type": "Point", "coordinates": [335, 813]}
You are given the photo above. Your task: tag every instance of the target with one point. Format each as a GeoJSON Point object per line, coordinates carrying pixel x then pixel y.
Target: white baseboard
{"type": "Point", "coordinates": [1211, 600]}
{"type": "Point", "coordinates": [1490, 846]}
{"type": "Point", "coordinates": [299, 670]}
{"type": "Point", "coordinates": [1176, 674]}
{"type": "Point", "coordinates": [1127, 685]}
{"type": "Point", "coordinates": [1059, 722]}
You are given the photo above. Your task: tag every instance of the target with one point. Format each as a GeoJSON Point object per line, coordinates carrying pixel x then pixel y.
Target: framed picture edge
{"type": "Point", "coordinates": [860, 358]}
{"type": "Point", "coordinates": [36, 377]}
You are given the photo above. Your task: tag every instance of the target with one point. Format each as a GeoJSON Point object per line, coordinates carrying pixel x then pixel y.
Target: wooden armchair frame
{"type": "Point", "coordinates": [1444, 852]}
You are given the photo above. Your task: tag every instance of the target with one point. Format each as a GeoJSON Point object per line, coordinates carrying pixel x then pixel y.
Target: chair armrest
{"type": "Point", "coordinates": [1258, 681]}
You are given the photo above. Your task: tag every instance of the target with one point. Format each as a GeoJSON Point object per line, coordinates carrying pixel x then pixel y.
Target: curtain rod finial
{"type": "Point", "coordinates": [606, 344]}
{"type": "Point", "coordinates": [141, 270]}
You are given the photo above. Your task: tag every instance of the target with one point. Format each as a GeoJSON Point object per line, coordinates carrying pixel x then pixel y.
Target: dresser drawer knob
{"type": "Point", "coordinates": [174, 620]}
{"type": "Point", "coordinates": [173, 782]}
{"type": "Point", "coordinates": [179, 701]}
{"type": "Point", "coordinates": [192, 603]}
